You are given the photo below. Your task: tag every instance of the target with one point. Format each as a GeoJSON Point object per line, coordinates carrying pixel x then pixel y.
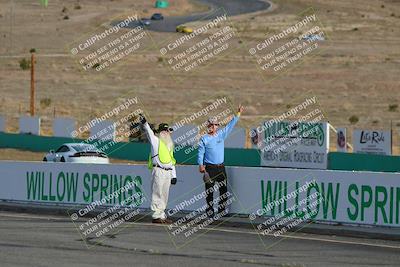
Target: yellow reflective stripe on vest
{"type": "Point", "coordinates": [150, 162]}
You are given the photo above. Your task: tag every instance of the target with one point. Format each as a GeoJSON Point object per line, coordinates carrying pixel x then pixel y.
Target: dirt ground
{"type": "Point", "coordinates": [355, 74]}
{"type": "Point", "coordinates": [22, 155]}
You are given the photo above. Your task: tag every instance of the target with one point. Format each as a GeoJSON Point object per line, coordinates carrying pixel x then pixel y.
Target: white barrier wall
{"type": "Point", "coordinates": [348, 197]}
{"type": "Point", "coordinates": [63, 127]}
{"type": "Point", "coordinates": [30, 125]}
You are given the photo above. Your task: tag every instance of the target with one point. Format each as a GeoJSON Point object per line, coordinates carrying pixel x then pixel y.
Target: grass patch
{"type": "Point", "coordinates": [393, 107]}
{"type": "Point", "coordinates": [353, 119]}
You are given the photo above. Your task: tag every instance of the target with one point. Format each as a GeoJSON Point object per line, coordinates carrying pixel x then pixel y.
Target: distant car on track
{"type": "Point", "coordinates": [145, 22]}
{"type": "Point", "coordinates": [157, 16]}
{"type": "Point", "coordinates": [77, 153]}
{"type": "Point", "coordinates": [313, 37]}
{"type": "Point", "coordinates": [184, 29]}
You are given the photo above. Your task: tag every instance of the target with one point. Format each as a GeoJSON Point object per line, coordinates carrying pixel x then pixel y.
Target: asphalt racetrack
{"type": "Point", "coordinates": [217, 8]}
{"type": "Point", "coordinates": [43, 240]}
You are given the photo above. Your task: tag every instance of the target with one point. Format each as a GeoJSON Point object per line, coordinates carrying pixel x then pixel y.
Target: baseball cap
{"type": "Point", "coordinates": [164, 127]}
{"type": "Point", "coordinates": [212, 121]}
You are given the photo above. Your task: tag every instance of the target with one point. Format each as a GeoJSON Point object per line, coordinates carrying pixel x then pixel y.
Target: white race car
{"type": "Point", "coordinates": [77, 153]}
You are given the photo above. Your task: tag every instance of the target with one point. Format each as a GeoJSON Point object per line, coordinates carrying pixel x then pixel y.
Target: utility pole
{"type": "Point", "coordinates": [32, 108]}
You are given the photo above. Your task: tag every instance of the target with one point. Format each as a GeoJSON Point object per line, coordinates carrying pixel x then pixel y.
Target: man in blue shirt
{"type": "Point", "coordinates": [211, 162]}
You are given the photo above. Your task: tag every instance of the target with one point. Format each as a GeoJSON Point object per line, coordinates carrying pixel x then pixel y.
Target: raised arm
{"type": "Point", "coordinates": [229, 127]}
{"type": "Point", "coordinates": [149, 132]}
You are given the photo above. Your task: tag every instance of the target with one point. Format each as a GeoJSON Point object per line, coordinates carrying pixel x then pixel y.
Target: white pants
{"type": "Point", "coordinates": [160, 184]}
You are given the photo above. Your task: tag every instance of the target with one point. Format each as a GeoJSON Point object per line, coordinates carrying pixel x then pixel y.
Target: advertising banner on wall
{"type": "Point", "coordinates": [341, 140]}
{"type": "Point", "coordinates": [74, 183]}
{"type": "Point", "coordinates": [372, 142]}
{"type": "Point", "coordinates": [323, 195]}
{"type": "Point", "coordinates": [294, 144]}
{"type": "Point", "coordinates": [68, 183]}
{"type": "Point", "coordinates": [105, 196]}
{"type": "Point", "coordinates": [255, 138]}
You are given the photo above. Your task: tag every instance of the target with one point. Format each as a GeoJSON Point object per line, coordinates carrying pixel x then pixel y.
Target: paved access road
{"type": "Point", "coordinates": [217, 8]}
{"type": "Point", "coordinates": [39, 240]}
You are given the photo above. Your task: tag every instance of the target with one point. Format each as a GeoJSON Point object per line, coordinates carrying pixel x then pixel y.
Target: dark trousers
{"type": "Point", "coordinates": [218, 179]}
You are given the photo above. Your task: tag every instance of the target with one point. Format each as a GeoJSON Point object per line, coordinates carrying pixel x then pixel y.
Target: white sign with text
{"type": "Point", "coordinates": [294, 144]}
{"type": "Point", "coordinates": [372, 142]}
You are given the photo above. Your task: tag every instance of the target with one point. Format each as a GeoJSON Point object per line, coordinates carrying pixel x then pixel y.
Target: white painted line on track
{"type": "Point", "coordinates": [287, 236]}
{"type": "Point", "coordinates": [26, 216]}
{"type": "Point", "coordinates": [313, 239]}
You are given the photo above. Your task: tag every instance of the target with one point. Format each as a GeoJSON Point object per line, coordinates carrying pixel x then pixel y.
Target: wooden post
{"type": "Point", "coordinates": [32, 106]}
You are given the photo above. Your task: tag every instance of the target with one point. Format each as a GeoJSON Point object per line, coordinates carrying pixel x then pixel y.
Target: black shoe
{"type": "Point", "coordinates": [222, 213]}
{"type": "Point", "coordinates": [161, 221]}
{"type": "Point", "coordinates": [210, 214]}
{"type": "Point", "coordinates": [168, 221]}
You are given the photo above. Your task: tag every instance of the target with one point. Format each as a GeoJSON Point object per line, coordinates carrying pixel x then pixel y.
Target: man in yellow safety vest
{"type": "Point", "coordinates": [162, 164]}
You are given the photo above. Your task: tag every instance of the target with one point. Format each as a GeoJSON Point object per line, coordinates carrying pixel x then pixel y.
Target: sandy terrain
{"type": "Point", "coordinates": [16, 154]}
{"type": "Point", "coordinates": [355, 73]}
